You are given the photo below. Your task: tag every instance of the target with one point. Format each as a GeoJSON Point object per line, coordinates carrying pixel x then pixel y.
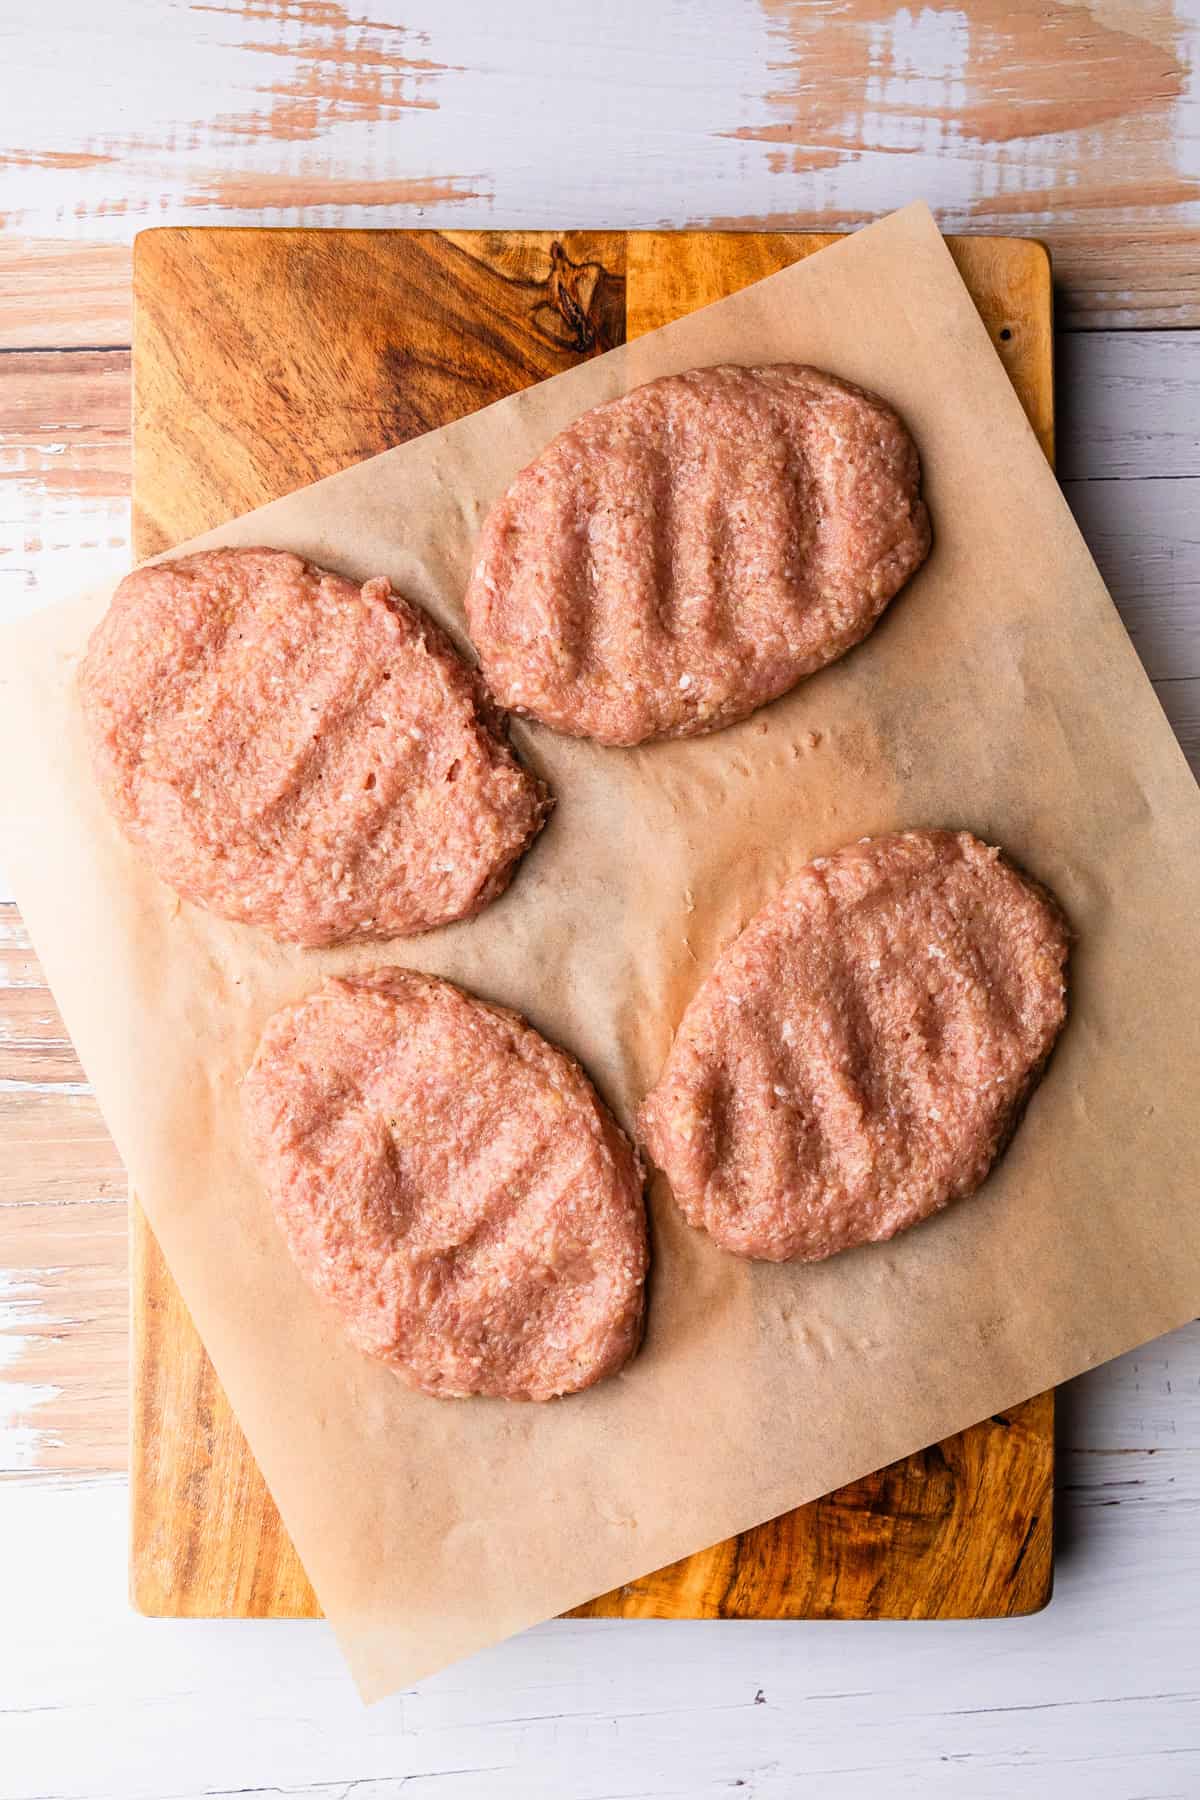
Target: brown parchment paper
{"type": "Point", "coordinates": [999, 693]}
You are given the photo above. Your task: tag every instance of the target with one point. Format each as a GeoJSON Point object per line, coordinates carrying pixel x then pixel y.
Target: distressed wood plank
{"type": "Point", "coordinates": [64, 1291]}
{"type": "Point", "coordinates": [1068, 122]}
{"type": "Point", "coordinates": [64, 1337]}
{"type": "Point", "coordinates": [1145, 537]}
{"type": "Point", "coordinates": [1129, 405]}
{"type": "Point", "coordinates": [1180, 700]}
{"type": "Point", "coordinates": [1073, 122]}
{"type": "Point", "coordinates": [63, 292]}
{"type": "Point", "coordinates": [64, 473]}
{"type": "Point", "coordinates": [56, 1149]}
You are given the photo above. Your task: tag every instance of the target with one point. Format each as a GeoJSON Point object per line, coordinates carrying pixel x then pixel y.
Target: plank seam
{"type": "Point", "coordinates": [63, 349]}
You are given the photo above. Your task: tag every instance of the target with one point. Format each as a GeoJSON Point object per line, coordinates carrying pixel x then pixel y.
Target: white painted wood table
{"type": "Point", "coordinates": [1077, 123]}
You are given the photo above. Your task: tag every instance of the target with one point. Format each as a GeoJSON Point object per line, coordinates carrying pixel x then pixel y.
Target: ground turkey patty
{"type": "Point", "coordinates": [452, 1184]}
{"type": "Point", "coordinates": [861, 1053]}
{"type": "Point", "coordinates": [680, 556]}
{"type": "Point", "coordinates": [296, 752]}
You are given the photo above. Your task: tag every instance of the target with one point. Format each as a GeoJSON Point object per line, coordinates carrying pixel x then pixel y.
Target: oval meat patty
{"type": "Point", "coordinates": [861, 1054]}
{"type": "Point", "coordinates": [296, 752]}
{"type": "Point", "coordinates": [452, 1184]}
{"type": "Point", "coordinates": [682, 555]}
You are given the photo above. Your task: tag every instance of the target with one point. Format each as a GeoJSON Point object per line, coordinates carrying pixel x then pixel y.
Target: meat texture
{"type": "Point", "coordinates": [295, 752]}
{"type": "Point", "coordinates": [452, 1185]}
{"type": "Point", "coordinates": [682, 555]}
{"type": "Point", "coordinates": [860, 1055]}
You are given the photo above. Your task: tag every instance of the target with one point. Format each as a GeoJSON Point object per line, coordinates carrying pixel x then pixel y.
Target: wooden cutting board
{"type": "Point", "coordinates": [263, 360]}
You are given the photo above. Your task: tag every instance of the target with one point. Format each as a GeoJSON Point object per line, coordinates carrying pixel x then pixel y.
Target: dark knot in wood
{"type": "Point", "coordinates": [583, 308]}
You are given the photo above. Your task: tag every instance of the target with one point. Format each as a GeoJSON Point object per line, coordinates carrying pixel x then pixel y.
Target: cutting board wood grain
{"type": "Point", "coordinates": [263, 360]}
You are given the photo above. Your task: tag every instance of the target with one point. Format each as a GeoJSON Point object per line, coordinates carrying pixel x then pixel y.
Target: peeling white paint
{"type": "Point", "coordinates": [23, 1443]}
{"type": "Point", "coordinates": [21, 971]}
{"type": "Point", "coordinates": [73, 1089]}
{"type": "Point", "coordinates": [619, 116]}
{"type": "Point", "coordinates": [55, 543]}
{"type": "Point", "coordinates": [9, 1033]}
{"type": "Point", "coordinates": [24, 1446]}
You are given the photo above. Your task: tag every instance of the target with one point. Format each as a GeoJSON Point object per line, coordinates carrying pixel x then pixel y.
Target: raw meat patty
{"type": "Point", "coordinates": [452, 1184]}
{"type": "Point", "coordinates": [682, 555]}
{"type": "Point", "coordinates": [296, 752]}
{"type": "Point", "coordinates": [862, 1052]}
